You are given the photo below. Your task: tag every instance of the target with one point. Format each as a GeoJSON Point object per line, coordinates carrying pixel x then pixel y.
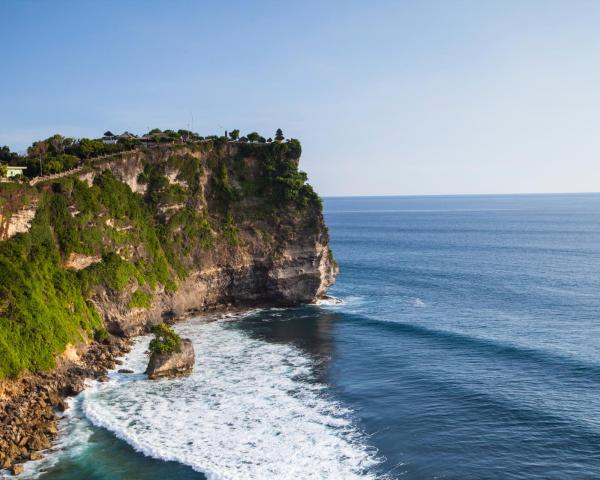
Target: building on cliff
{"type": "Point", "coordinates": [14, 171]}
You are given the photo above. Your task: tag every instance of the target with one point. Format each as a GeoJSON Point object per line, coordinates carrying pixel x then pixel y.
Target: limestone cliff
{"type": "Point", "coordinates": [255, 251]}
{"type": "Point", "coordinates": [157, 233]}
{"type": "Point", "coordinates": [142, 237]}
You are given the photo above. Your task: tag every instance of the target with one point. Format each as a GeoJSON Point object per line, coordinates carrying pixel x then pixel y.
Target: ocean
{"type": "Point", "coordinates": [467, 346]}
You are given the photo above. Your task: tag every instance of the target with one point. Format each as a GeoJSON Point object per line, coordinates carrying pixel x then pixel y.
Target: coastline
{"type": "Point", "coordinates": [29, 405]}
{"type": "Point", "coordinates": [31, 402]}
{"type": "Point", "coordinates": [247, 260]}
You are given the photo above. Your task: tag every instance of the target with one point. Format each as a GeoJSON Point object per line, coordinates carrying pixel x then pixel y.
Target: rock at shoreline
{"type": "Point", "coordinates": [172, 364]}
{"type": "Point", "coordinates": [35, 456]}
{"type": "Point", "coordinates": [17, 469]}
{"type": "Point", "coordinates": [27, 412]}
{"type": "Point", "coordinates": [125, 370]}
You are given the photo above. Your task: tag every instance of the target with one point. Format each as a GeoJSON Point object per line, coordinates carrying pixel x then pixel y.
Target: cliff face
{"type": "Point", "coordinates": [259, 250]}
{"type": "Point", "coordinates": [155, 234]}
{"type": "Point", "coordinates": [17, 209]}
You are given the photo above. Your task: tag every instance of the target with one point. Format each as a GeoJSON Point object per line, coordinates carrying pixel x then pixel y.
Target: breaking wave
{"type": "Point", "coordinates": [250, 410]}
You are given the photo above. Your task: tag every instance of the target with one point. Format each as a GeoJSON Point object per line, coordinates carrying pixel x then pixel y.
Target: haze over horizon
{"type": "Point", "coordinates": [388, 98]}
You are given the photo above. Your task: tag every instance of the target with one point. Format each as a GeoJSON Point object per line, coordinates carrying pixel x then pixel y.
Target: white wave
{"type": "Point", "coordinates": [329, 300]}
{"type": "Point", "coordinates": [249, 411]}
{"type": "Point", "coordinates": [419, 303]}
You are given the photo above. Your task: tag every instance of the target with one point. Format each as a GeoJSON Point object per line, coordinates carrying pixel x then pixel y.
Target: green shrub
{"type": "Point", "coordinates": [230, 230]}
{"type": "Point", "coordinates": [222, 187]}
{"type": "Point", "coordinates": [165, 340]}
{"type": "Point", "coordinates": [100, 334]}
{"type": "Point", "coordinates": [140, 299]}
{"type": "Point", "coordinates": [41, 304]}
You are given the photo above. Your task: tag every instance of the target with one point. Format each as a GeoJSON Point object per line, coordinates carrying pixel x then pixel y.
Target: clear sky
{"type": "Point", "coordinates": [387, 97]}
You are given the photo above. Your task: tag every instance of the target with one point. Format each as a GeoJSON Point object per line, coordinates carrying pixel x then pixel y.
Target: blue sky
{"type": "Point", "coordinates": [403, 97]}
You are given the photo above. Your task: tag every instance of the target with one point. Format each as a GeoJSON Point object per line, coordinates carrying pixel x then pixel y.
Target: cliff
{"type": "Point", "coordinates": [154, 234]}
{"type": "Point", "coordinates": [100, 253]}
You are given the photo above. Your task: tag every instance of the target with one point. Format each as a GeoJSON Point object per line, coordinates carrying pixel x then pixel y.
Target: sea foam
{"type": "Point", "coordinates": [250, 410]}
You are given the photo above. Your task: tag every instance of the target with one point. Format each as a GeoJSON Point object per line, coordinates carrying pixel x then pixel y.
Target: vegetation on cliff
{"type": "Point", "coordinates": [165, 340]}
{"type": "Point", "coordinates": [58, 153]}
{"type": "Point", "coordinates": [196, 198]}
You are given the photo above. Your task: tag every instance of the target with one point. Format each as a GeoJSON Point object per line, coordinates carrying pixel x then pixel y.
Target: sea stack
{"type": "Point", "coordinates": [170, 355]}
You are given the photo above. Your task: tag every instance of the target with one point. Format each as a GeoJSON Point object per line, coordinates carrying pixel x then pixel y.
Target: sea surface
{"type": "Point", "coordinates": [467, 346]}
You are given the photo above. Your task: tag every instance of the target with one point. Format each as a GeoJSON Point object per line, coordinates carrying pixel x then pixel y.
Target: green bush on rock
{"type": "Point", "coordinates": [165, 340]}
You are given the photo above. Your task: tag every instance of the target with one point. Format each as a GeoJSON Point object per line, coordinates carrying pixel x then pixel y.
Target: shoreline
{"type": "Point", "coordinates": [30, 405]}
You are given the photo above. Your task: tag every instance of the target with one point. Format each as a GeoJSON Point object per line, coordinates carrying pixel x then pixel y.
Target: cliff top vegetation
{"type": "Point", "coordinates": [58, 153]}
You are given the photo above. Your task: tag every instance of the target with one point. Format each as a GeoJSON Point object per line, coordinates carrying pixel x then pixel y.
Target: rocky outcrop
{"type": "Point", "coordinates": [284, 260]}
{"type": "Point", "coordinates": [172, 364]}
{"type": "Point", "coordinates": [28, 422]}
{"type": "Point", "coordinates": [78, 261]}
{"type": "Point", "coordinates": [17, 222]}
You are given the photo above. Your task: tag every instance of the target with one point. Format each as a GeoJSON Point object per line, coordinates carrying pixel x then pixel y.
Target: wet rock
{"type": "Point", "coordinates": [172, 364]}
{"type": "Point", "coordinates": [51, 428]}
{"type": "Point", "coordinates": [62, 405]}
{"type": "Point", "coordinates": [125, 370]}
{"type": "Point", "coordinates": [17, 469]}
{"type": "Point", "coordinates": [35, 456]}
{"type": "Point", "coordinates": [74, 387]}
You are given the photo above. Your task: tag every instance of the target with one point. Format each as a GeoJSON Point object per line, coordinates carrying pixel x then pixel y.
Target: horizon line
{"type": "Point", "coordinates": [407, 195]}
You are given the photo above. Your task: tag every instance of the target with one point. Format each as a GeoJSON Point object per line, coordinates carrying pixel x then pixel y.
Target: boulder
{"type": "Point", "coordinates": [17, 469]}
{"type": "Point", "coordinates": [39, 441]}
{"type": "Point", "coordinates": [35, 456]}
{"type": "Point", "coordinates": [62, 405]}
{"type": "Point", "coordinates": [172, 364]}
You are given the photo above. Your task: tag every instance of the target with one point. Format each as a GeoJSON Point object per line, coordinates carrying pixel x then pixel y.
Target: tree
{"type": "Point", "coordinates": [279, 135]}
{"type": "Point", "coordinates": [185, 134]}
{"type": "Point", "coordinates": [38, 150]}
{"type": "Point", "coordinates": [234, 134]}
{"type": "Point", "coordinates": [253, 137]}
{"type": "Point", "coordinates": [3, 170]}
{"type": "Point", "coordinates": [7, 156]}
{"type": "Point", "coordinates": [56, 144]}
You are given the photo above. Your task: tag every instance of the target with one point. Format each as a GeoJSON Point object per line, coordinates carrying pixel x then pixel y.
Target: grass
{"type": "Point", "coordinates": [140, 299]}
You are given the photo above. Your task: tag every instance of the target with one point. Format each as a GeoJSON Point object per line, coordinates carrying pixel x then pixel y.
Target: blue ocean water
{"type": "Point", "coordinates": [467, 347]}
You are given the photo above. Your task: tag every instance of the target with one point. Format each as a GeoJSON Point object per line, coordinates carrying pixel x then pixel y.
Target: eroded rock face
{"type": "Point", "coordinates": [78, 261]}
{"type": "Point", "coordinates": [172, 364]}
{"type": "Point", "coordinates": [18, 222]}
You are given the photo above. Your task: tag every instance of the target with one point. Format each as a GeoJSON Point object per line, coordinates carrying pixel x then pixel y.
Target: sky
{"type": "Point", "coordinates": [388, 97]}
